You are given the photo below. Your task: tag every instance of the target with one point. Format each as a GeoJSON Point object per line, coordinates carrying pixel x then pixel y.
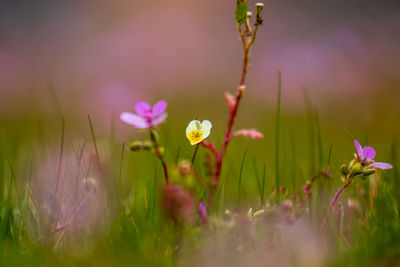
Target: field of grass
{"type": "Point", "coordinates": [73, 194]}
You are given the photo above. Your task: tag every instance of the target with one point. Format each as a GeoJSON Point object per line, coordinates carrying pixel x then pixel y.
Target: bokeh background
{"type": "Point", "coordinates": [103, 56]}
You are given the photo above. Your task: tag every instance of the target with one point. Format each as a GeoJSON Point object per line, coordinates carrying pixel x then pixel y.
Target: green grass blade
{"type": "Point", "coordinates": [278, 115]}
{"type": "Point", "coordinates": [240, 176]}
{"type": "Point", "coordinates": [95, 144]}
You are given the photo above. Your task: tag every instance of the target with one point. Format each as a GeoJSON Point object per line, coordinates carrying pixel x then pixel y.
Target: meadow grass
{"type": "Point", "coordinates": [137, 231]}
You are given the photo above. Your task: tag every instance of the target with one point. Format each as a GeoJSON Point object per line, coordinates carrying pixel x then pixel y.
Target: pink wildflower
{"type": "Point", "coordinates": [146, 116]}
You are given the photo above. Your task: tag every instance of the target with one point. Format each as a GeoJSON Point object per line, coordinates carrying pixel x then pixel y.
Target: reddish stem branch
{"type": "Point", "coordinates": [334, 200]}
{"type": "Point", "coordinates": [210, 146]}
{"type": "Point", "coordinates": [247, 44]}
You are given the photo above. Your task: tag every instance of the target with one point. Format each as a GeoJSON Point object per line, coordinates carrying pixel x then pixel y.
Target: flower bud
{"type": "Point", "coordinates": [259, 18]}
{"type": "Point", "coordinates": [352, 162]}
{"type": "Point", "coordinates": [185, 168]}
{"type": "Point", "coordinates": [159, 150]}
{"type": "Point", "coordinates": [258, 213]}
{"type": "Point", "coordinates": [241, 12]}
{"type": "Point", "coordinates": [250, 213]}
{"type": "Point", "coordinates": [135, 146]}
{"type": "Point", "coordinates": [147, 145]}
{"type": "Point", "coordinates": [344, 169]}
{"type": "Point", "coordinates": [356, 169]}
{"type": "Point", "coordinates": [368, 172]}
{"type": "Point", "coordinates": [249, 31]}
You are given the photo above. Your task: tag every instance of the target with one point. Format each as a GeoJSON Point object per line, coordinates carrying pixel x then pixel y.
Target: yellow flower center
{"type": "Point", "coordinates": [195, 137]}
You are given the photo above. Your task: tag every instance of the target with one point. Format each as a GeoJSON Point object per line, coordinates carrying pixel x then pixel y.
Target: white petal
{"type": "Point", "coordinates": [193, 126]}
{"type": "Point", "coordinates": [206, 127]}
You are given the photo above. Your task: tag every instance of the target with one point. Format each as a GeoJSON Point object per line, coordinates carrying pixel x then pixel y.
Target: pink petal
{"type": "Point", "coordinates": [359, 149]}
{"type": "Point", "coordinates": [134, 120]}
{"type": "Point", "coordinates": [252, 133]}
{"type": "Point", "coordinates": [203, 212]}
{"type": "Point", "coordinates": [159, 119]}
{"type": "Point", "coordinates": [159, 108]}
{"type": "Point", "coordinates": [230, 100]}
{"type": "Point", "coordinates": [369, 153]}
{"type": "Point", "coordinates": [142, 108]}
{"type": "Point", "coordinates": [381, 165]}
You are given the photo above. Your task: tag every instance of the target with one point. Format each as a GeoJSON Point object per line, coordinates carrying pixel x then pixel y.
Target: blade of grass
{"type": "Point", "coordinates": [311, 134]}
{"type": "Point", "coordinates": [329, 156]}
{"type": "Point", "coordinates": [60, 157]}
{"type": "Point", "coordinates": [257, 179]}
{"type": "Point", "coordinates": [293, 160]}
{"type": "Point", "coordinates": [95, 144]}
{"type": "Point", "coordinates": [240, 175]}
{"type": "Point", "coordinates": [120, 168]}
{"type": "Point", "coordinates": [319, 140]}
{"type": "Point", "coordinates": [263, 186]}
{"type": "Point", "coordinates": [278, 114]}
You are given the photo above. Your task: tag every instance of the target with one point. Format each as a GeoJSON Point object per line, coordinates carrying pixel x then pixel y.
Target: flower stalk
{"type": "Point", "coordinates": [247, 43]}
{"type": "Point", "coordinates": [158, 151]}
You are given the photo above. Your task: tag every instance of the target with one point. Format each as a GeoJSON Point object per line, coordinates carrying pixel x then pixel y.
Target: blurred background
{"type": "Point", "coordinates": [103, 56]}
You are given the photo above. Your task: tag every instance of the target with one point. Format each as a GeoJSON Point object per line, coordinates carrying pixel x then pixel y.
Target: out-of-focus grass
{"type": "Point", "coordinates": [138, 233]}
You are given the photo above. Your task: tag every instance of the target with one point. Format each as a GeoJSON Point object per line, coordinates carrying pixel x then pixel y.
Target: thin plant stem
{"type": "Point", "coordinates": [247, 44]}
{"type": "Point", "coordinates": [157, 151]}
{"type": "Point", "coordinates": [278, 114]}
{"type": "Point", "coordinates": [195, 153]}
{"type": "Point", "coordinates": [334, 200]}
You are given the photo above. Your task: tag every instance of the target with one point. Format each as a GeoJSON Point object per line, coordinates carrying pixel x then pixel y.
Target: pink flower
{"type": "Point", "coordinates": [367, 155]}
{"type": "Point", "coordinates": [146, 116]}
{"type": "Point", "coordinates": [252, 133]}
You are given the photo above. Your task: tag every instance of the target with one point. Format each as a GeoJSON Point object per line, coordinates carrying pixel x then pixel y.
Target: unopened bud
{"type": "Point", "coordinates": [249, 31]}
{"type": "Point", "coordinates": [241, 12]}
{"type": "Point", "coordinates": [344, 169]}
{"type": "Point", "coordinates": [139, 145]}
{"type": "Point", "coordinates": [147, 145]}
{"type": "Point", "coordinates": [352, 162]}
{"type": "Point", "coordinates": [250, 213]}
{"type": "Point", "coordinates": [368, 172]}
{"type": "Point", "coordinates": [259, 18]}
{"type": "Point", "coordinates": [241, 89]}
{"type": "Point", "coordinates": [159, 151]}
{"type": "Point", "coordinates": [258, 213]}
{"type": "Point", "coordinates": [356, 169]}
{"type": "Point", "coordinates": [185, 168]}
{"type": "Point", "coordinates": [135, 146]}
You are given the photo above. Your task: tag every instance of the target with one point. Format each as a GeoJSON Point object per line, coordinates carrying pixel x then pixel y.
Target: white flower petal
{"type": "Point", "coordinates": [193, 126]}
{"type": "Point", "coordinates": [206, 128]}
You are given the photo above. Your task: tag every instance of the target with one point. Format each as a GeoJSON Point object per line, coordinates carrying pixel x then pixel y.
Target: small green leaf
{"type": "Point", "coordinates": [241, 12]}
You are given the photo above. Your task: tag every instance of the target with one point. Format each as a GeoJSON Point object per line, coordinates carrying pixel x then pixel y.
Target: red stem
{"type": "Point", "coordinates": [338, 194]}
{"type": "Point", "coordinates": [210, 146]}
{"type": "Point", "coordinates": [334, 200]}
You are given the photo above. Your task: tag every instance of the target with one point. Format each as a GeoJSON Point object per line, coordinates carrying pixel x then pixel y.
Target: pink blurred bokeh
{"type": "Point", "coordinates": [104, 56]}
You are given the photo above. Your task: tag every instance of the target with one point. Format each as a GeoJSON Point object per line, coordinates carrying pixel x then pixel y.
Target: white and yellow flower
{"type": "Point", "coordinates": [198, 131]}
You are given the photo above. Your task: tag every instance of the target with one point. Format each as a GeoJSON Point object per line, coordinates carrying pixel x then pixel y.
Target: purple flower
{"type": "Point", "coordinates": [146, 116]}
{"type": "Point", "coordinates": [367, 155]}
{"type": "Point", "coordinates": [203, 212]}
